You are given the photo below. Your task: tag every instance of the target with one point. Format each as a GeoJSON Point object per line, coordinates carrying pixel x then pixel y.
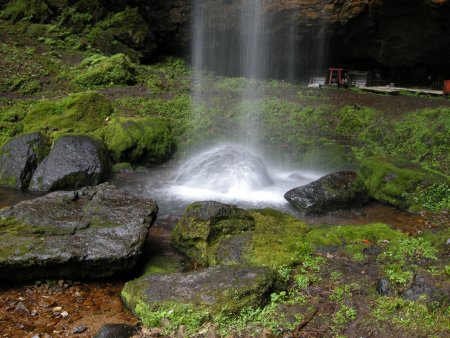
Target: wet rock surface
{"type": "Point", "coordinates": [211, 288]}
{"type": "Point", "coordinates": [340, 190]}
{"type": "Point", "coordinates": [117, 331]}
{"type": "Point", "coordinates": [73, 162]}
{"type": "Point", "coordinates": [205, 222]}
{"type": "Point", "coordinates": [19, 158]}
{"type": "Point", "coordinates": [93, 232]}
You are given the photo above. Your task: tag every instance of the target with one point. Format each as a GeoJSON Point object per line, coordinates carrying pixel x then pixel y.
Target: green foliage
{"type": "Point", "coordinates": [413, 318]}
{"type": "Point", "coordinates": [175, 314]}
{"type": "Point", "coordinates": [351, 121]}
{"type": "Point", "coordinates": [344, 315]}
{"type": "Point", "coordinates": [99, 70]}
{"type": "Point", "coordinates": [79, 113]}
{"type": "Point", "coordinates": [122, 32]}
{"type": "Point", "coordinates": [410, 249]}
{"type": "Point", "coordinates": [21, 69]}
{"type": "Point", "coordinates": [147, 140]}
{"type": "Point", "coordinates": [34, 10]}
{"type": "Point", "coordinates": [169, 77]}
{"type": "Point", "coordinates": [398, 260]}
{"type": "Point", "coordinates": [435, 197]}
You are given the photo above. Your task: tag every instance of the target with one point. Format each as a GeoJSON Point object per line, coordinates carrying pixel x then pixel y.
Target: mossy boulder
{"type": "Point", "coordinates": [205, 223]}
{"type": "Point", "coordinates": [19, 159]}
{"type": "Point", "coordinates": [396, 182]}
{"type": "Point", "coordinates": [194, 298]}
{"type": "Point", "coordinates": [78, 113]}
{"type": "Point", "coordinates": [340, 190]}
{"type": "Point", "coordinates": [213, 233]}
{"type": "Point", "coordinates": [124, 32]}
{"type": "Point", "coordinates": [99, 70]}
{"type": "Point", "coordinates": [74, 161]}
{"type": "Point", "coordinates": [90, 233]}
{"type": "Point", "coordinates": [140, 140]}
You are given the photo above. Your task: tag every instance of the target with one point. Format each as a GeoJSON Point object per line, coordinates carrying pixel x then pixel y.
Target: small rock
{"type": "Point", "coordinates": [79, 329]}
{"type": "Point", "coordinates": [57, 309]}
{"type": "Point", "coordinates": [117, 331]}
{"type": "Point", "coordinates": [153, 332]}
{"type": "Point", "coordinates": [383, 287]}
{"type": "Point", "coordinates": [64, 314]}
{"type": "Point", "coordinates": [21, 308]}
{"type": "Point", "coordinates": [34, 313]}
{"type": "Point", "coordinates": [448, 242]}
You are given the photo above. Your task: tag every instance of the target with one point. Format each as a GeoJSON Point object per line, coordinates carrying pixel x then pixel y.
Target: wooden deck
{"type": "Point", "coordinates": [399, 90]}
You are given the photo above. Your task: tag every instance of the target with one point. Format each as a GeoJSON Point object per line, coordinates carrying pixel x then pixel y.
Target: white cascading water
{"type": "Point", "coordinates": [240, 38]}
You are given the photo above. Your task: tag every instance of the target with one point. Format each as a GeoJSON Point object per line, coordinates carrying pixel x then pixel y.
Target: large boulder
{"type": "Point", "coordinates": [90, 233]}
{"type": "Point", "coordinates": [74, 161]}
{"type": "Point", "coordinates": [204, 224]}
{"type": "Point", "coordinates": [340, 190]}
{"type": "Point", "coordinates": [213, 233]}
{"type": "Point", "coordinates": [197, 294]}
{"type": "Point", "coordinates": [19, 158]}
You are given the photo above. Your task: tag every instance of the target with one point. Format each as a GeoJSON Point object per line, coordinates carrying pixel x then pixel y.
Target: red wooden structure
{"type": "Point", "coordinates": [447, 87]}
{"type": "Point", "coordinates": [336, 76]}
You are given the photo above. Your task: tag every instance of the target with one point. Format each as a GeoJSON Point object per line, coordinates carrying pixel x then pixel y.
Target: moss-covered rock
{"type": "Point", "coordinates": [203, 226]}
{"type": "Point", "coordinates": [77, 114]}
{"type": "Point", "coordinates": [19, 158]}
{"type": "Point", "coordinates": [99, 70]}
{"type": "Point", "coordinates": [213, 233]}
{"type": "Point", "coordinates": [124, 32]}
{"type": "Point", "coordinates": [340, 190]}
{"type": "Point", "coordinates": [90, 233]}
{"type": "Point", "coordinates": [144, 140]}
{"type": "Point", "coordinates": [396, 182]}
{"type": "Point", "coordinates": [194, 298]}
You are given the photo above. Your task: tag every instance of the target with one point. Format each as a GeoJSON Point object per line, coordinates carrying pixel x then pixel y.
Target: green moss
{"type": "Point", "coordinates": [275, 240]}
{"type": "Point", "coordinates": [12, 226]}
{"type": "Point", "coordinates": [146, 140]}
{"type": "Point", "coordinates": [79, 113]}
{"type": "Point", "coordinates": [352, 239]}
{"type": "Point", "coordinates": [200, 236]}
{"type": "Point", "coordinates": [118, 167]}
{"type": "Point", "coordinates": [395, 183]}
{"type": "Point", "coordinates": [99, 70]}
{"type": "Point", "coordinates": [161, 264]}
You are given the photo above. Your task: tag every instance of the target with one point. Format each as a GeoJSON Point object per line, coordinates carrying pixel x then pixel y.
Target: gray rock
{"type": "Point", "coordinates": [117, 331]}
{"type": "Point", "coordinates": [211, 289]}
{"type": "Point", "coordinates": [19, 158]}
{"type": "Point", "coordinates": [340, 190]}
{"type": "Point", "coordinates": [424, 285]}
{"type": "Point", "coordinates": [383, 287]}
{"type": "Point", "coordinates": [94, 232]}
{"type": "Point", "coordinates": [74, 161]}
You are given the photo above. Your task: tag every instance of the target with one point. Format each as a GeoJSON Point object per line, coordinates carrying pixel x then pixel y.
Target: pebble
{"type": "Point", "coordinates": [21, 308]}
{"type": "Point", "coordinates": [79, 329]}
{"type": "Point", "coordinates": [57, 309]}
{"type": "Point", "coordinates": [448, 242]}
{"type": "Point", "coordinates": [64, 314]}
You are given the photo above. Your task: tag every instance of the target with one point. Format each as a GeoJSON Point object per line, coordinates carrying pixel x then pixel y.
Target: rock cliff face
{"type": "Point", "coordinates": [407, 40]}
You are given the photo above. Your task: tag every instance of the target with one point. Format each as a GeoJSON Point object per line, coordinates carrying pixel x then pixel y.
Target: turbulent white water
{"type": "Point", "coordinates": [230, 173]}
